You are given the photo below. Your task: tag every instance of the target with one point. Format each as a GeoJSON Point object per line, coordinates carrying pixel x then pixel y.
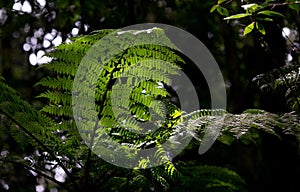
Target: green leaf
{"type": "Point", "coordinates": [221, 1]}
{"type": "Point", "coordinates": [214, 8]}
{"type": "Point", "coordinates": [222, 11]}
{"type": "Point", "coordinates": [270, 13]}
{"type": "Point", "coordinates": [250, 8]}
{"type": "Point", "coordinates": [260, 28]}
{"type": "Point", "coordinates": [295, 7]}
{"type": "Point", "coordinates": [264, 19]}
{"type": "Point", "coordinates": [237, 16]}
{"type": "Point", "coordinates": [249, 28]}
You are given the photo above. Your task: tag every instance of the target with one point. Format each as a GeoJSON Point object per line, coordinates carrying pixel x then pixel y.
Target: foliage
{"type": "Point", "coordinates": [285, 79]}
{"type": "Point", "coordinates": [141, 99]}
{"type": "Point", "coordinates": [240, 57]}
{"type": "Point", "coordinates": [256, 12]}
{"type": "Point", "coordinates": [245, 127]}
{"type": "Point", "coordinates": [57, 142]}
{"type": "Point", "coordinates": [241, 127]}
{"type": "Point", "coordinates": [281, 79]}
{"type": "Point", "coordinates": [66, 142]}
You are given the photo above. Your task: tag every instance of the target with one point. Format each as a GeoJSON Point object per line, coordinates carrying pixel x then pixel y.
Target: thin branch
{"type": "Point", "coordinates": [282, 4]}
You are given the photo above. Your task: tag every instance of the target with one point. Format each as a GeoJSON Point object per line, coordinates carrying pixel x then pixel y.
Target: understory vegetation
{"type": "Point", "coordinates": [47, 145]}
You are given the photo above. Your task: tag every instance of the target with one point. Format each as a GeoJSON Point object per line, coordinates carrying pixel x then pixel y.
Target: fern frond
{"type": "Point", "coordinates": [57, 83]}
{"type": "Point", "coordinates": [245, 126]}
{"type": "Point", "coordinates": [58, 110]}
{"type": "Point", "coordinates": [62, 67]}
{"type": "Point", "coordinates": [162, 157]}
{"type": "Point", "coordinates": [204, 112]}
{"type": "Point", "coordinates": [30, 126]}
{"type": "Point", "coordinates": [57, 97]}
{"type": "Point", "coordinates": [285, 79]}
{"type": "Point", "coordinates": [129, 92]}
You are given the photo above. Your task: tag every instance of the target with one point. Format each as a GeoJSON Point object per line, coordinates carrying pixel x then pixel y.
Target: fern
{"type": "Point", "coordinates": [207, 178]}
{"type": "Point", "coordinates": [14, 108]}
{"type": "Point", "coordinates": [146, 98]}
{"type": "Point", "coordinates": [128, 91]}
{"type": "Point", "coordinates": [284, 79]}
{"type": "Point", "coordinates": [132, 80]}
{"type": "Point", "coordinates": [247, 126]}
{"type": "Point", "coordinates": [29, 127]}
{"type": "Point", "coordinates": [142, 61]}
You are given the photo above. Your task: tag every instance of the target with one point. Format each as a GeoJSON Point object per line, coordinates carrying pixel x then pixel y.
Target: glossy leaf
{"type": "Point", "coordinates": [250, 8]}
{"type": "Point", "coordinates": [295, 7]}
{"type": "Point", "coordinates": [221, 1]}
{"type": "Point", "coordinates": [260, 28]}
{"type": "Point", "coordinates": [222, 11]}
{"type": "Point", "coordinates": [214, 8]}
{"type": "Point", "coordinates": [270, 13]}
{"type": "Point", "coordinates": [249, 28]}
{"type": "Point", "coordinates": [265, 19]}
{"type": "Point", "coordinates": [237, 16]}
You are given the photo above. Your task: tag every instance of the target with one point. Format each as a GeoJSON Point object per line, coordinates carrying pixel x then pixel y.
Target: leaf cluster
{"type": "Point", "coordinates": [256, 13]}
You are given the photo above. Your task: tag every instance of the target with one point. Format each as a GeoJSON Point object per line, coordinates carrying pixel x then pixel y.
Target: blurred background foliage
{"type": "Point", "coordinates": [31, 28]}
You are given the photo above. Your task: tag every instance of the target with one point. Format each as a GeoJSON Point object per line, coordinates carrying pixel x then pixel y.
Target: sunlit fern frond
{"type": "Point", "coordinates": [131, 83]}
{"type": "Point", "coordinates": [248, 126]}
